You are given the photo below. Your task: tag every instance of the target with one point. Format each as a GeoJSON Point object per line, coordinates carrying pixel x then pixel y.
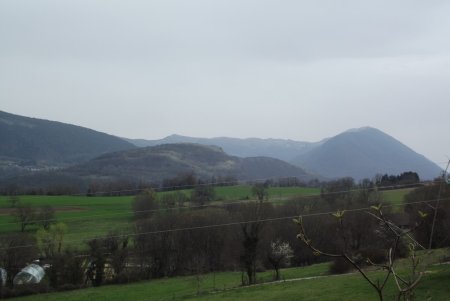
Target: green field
{"type": "Point", "coordinates": [275, 193]}
{"type": "Point", "coordinates": [87, 217]}
{"type": "Point", "coordinates": [298, 284]}
{"type": "Point", "coordinates": [396, 196]}
{"type": "Point", "coordinates": [91, 216]}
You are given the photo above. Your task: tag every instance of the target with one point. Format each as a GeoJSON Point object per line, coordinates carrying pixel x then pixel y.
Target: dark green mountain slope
{"type": "Point", "coordinates": [41, 143]}
{"type": "Point", "coordinates": [155, 164]}
{"type": "Point", "coordinates": [169, 160]}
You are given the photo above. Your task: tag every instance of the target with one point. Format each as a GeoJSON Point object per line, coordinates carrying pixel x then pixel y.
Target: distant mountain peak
{"type": "Point", "coordinates": [174, 136]}
{"type": "Point", "coordinates": [358, 152]}
{"type": "Point", "coordinates": [363, 153]}
{"type": "Point", "coordinates": [362, 129]}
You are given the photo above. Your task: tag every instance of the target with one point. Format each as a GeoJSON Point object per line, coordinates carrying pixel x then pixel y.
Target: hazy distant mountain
{"type": "Point", "coordinates": [282, 149]}
{"type": "Point", "coordinates": [357, 153]}
{"type": "Point", "coordinates": [364, 152]}
{"type": "Point", "coordinates": [37, 143]}
{"type": "Point", "coordinates": [169, 160]}
{"type": "Point", "coordinates": [28, 144]}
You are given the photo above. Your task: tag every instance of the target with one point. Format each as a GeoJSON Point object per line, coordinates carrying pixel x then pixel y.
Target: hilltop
{"type": "Point", "coordinates": [36, 144]}
{"type": "Point", "coordinates": [363, 153]}
{"type": "Point", "coordinates": [358, 153]}
{"type": "Point", "coordinates": [30, 144]}
{"type": "Point", "coordinates": [169, 160]}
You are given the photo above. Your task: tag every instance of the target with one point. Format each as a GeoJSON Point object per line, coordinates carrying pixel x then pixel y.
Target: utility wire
{"type": "Point", "coordinates": [190, 186]}
{"type": "Point", "coordinates": [178, 187]}
{"type": "Point", "coordinates": [85, 217]}
{"type": "Point", "coordinates": [226, 224]}
{"type": "Point", "coordinates": [443, 182]}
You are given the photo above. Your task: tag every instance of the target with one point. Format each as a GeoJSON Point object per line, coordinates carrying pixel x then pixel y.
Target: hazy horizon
{"type": "Point", "coordinates": [266, 69]}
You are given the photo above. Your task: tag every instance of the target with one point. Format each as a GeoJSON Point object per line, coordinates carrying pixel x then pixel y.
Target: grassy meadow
{"type": "Point", "coordinates": [303, 283]}
{"type": "Point", "coordinates": [90, 216]}
{"type": "Point", "coordinates": [87, 217]}
{"type": "Point", "coordinates": [395, 196]}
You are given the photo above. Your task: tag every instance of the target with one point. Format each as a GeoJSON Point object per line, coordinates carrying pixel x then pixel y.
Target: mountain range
{"type": "Point", "coordinates": [169, 160]}
{"type": "Point", "coordinates": [30, 145]}
{"type": "Point", "coordinates": [283, 149]}
{"type": "Point", "coordinates": [357, 153]}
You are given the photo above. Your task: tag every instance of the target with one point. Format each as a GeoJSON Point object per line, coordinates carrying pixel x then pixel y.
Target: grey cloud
{"type": "Point", "coordinates": [155, 30]}
{"type": "Point", "coordinates": [290, 69]}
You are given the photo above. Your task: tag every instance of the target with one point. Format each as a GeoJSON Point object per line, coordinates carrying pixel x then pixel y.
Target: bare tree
{"type": "Point", "coordinates": [67, 268]}
{"type": "Point", "coordinates": [251, 230]}
{"type": "Point", "coordinates": [14, 256]}
{"type": "Point", "coordinates": [439, 235]}
{"type": "Point", "coordinates": [405, 286]}
{"type": "Point", "coordinates": [117, 247]}
{"type": "Point", "coordinates": [203, 194]}
{"type": "Point", "coordinates": [145, 204]}
{"type": "Point", "coordinates": [261, 191]}
{"type": "Point", "coordinates": [25, 215]}
{"type": "Point", "coordinates": [97, 254]}
{"type": "Point", "coordinates": [45, 216]}
{"type": "Point", "coordinates": [13, 200]}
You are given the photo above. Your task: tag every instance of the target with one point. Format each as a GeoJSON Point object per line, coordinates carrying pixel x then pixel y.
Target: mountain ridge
{"type": "Point", "coordinates": [363, 153]}
{"type": "Point", "coordinates": [283, 149]}
{"type": "Point", "coordinates": [156, 164]}
{"type": "Point", "coordinates": [33, 143]}
{"type": "Point", "coordinates": [322, 157]}
{"type": "Point", "coordinates": [30, 144]}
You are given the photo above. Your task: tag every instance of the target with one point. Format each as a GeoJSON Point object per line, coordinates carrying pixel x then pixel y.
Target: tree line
{"type": "Point", "coordinates": [173, 239]}
{"type": "Point", "coordinates": [65, 184]}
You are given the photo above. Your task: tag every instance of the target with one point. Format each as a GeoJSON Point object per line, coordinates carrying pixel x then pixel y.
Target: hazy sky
{"type": "Point", "coordinates": [303, 70]}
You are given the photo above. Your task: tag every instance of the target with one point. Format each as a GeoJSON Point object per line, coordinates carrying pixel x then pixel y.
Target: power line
{"type": "Point", "coordinates": [227, 224]}
{"type": "Point", "coordinates": [190, 186]}
{"type": "Point", "coordinates": [84, 217]}
{"type": "Point", "coordinates": [444, 182]}
{"type": "Point", "coordinates": [180, 187]}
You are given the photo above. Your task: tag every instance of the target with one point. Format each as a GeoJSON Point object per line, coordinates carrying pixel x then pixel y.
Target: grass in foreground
{"type": "Point", "coordinates": [227, 287]}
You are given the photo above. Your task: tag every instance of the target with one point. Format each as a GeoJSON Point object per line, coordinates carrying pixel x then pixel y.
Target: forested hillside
{"type": "Point", "coordinates": [31, 143]}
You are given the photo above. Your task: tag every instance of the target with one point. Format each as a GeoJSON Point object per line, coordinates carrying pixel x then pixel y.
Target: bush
{"type": "Point", "coordinates": [340, 266]}
{"type": "Point", "coordinates": [375, 255]}
{"type": "Point", "coordinates": [124, 277]}
{"type": "Point", "coordinates": [25, 290]}
{"type": "Point", "coordinates": [145, 204]}
{"type": "Point", "coordinates": [68, 287]}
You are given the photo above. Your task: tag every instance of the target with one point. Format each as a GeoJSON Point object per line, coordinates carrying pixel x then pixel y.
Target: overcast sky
{"type": "Point", "coordinates": [302, 70]}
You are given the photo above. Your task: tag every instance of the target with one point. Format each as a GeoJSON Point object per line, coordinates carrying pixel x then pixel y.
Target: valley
{"type": "Point", "coordinates": [213, 218]}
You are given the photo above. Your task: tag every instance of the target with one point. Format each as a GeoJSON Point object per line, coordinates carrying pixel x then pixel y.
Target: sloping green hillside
{"type": "Point", "coordinates": [36, 142]}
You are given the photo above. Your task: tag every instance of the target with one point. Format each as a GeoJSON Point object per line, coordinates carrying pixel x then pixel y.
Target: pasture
{"type": "Point", "coordinates": [87, 217]}
{"type": "Point", "coordinates": [303, 283]}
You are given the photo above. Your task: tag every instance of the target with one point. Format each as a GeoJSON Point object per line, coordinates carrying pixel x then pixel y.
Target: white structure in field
{"type": "Point", "coordinates": [30, 274]}
{"type": "Point", "coordinates": [3, 276]}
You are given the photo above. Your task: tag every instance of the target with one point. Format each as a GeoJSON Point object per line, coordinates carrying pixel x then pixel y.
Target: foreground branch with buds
{"type": "Point", "coordinates": [405, 285]}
